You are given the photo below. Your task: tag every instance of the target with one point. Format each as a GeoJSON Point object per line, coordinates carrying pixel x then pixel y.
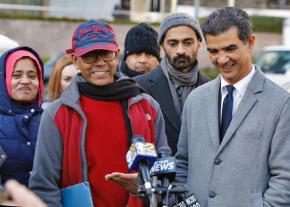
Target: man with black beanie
{"type": "Point", "coordinates": [170, 83]}
{"type": "Point", "coordinates": [141, 52]}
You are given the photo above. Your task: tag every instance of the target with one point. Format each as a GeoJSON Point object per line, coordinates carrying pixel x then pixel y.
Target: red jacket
{"type": "Point", "coordinates": [69, 130]}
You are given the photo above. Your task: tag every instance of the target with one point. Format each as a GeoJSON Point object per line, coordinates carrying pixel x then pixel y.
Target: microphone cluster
{"type": "Point", "coordinates": [143, 157]}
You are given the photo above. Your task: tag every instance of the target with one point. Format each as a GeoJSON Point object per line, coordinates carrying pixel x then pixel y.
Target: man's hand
{"type": "Point", "coordinates": [127, 181]}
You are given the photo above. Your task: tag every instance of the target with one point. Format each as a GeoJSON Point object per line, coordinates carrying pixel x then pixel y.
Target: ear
{"type": "Point", "coordinates": [198, 44]}
{"type": "Point", "coordinates": [251, 41]}
{"type": "Point", "coordinates": [74, 60]}
{"type": "Point", "coordinates": [117, 56]}
{"type": "Point", "coordinates": [162, 48]}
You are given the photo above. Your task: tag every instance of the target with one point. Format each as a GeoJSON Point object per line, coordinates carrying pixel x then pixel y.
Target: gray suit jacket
{"type": "Point", "coordinates": [251, 167]}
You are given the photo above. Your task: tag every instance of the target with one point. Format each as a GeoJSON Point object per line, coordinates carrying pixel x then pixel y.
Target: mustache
{"type": "Point", "coordinates": [179, 57]}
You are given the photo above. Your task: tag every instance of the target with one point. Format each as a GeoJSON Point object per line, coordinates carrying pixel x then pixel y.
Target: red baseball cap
{"type": "Point", "coordinates": [93, 35]}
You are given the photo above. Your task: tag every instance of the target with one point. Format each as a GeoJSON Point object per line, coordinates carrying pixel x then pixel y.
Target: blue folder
{"type": "Point", "coordinates": [77, 195]}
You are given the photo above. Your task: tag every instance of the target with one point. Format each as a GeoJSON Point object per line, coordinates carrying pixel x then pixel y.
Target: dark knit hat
{"type": "Point", "coordinates": [142, 38]}
{"type": "Point", "coordinates": [178, 19]}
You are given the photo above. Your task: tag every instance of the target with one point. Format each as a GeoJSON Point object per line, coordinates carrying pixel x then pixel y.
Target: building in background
{"type": "Point", "coordinates": [145, 10]}
{"type": "Point", "coordinates": [155, 10]}
{"type": "Point", "coordinates": [135, 10]}
{"type": "Point", "coordinates": [74, 9]}
{"type": "Point", "coordinates": [86, 9]}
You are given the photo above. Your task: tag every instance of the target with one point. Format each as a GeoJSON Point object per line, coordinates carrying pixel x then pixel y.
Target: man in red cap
{"type": "Point", "coordinates": [85, 134]}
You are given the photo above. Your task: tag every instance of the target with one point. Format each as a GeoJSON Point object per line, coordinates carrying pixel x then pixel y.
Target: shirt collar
{"type": "Point", "coordinates": [241, 86]}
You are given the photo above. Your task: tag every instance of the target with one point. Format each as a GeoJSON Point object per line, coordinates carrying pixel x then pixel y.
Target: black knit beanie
{"type": "Point", "coordinates": [141, 38]}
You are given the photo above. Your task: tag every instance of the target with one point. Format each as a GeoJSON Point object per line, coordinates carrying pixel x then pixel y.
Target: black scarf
{"type": "Point", "coordinates": [127, 71]}
{"type": "Point", "coordinates": [121, 89]}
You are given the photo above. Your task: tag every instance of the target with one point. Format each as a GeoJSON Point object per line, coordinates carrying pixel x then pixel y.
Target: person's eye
{"type": "Point", "coordinates": [32, 75]}
{"type": "Point", "coordinates": [16, 75]}
{"type": "Point", "coordinates": [172, 44]}
{"type": "Point", "coordinates": [188, 42]}
{"type": "Point", "coordinates": [136, 55]}
{"type": "Point", "coordinates": [212, 51]}
{"type": "Point", "coordinates": [67, 79]}
{"type": "Point", "coordinates": [89, 55]}
{"type": "Point", "coordinates": [231, 49]}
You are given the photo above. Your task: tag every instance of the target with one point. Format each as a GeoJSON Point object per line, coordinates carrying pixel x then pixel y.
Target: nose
{"type": "Point", "coordinates": [25, 80]}
{"type": "Point", "coordinates": [222, 58]}
{"type": "Point", "coordinates": [142, 58]}
{"type": "Point", "coordinates": [99, 61]}
{"type": "Point", "coordinates": [180, 50]}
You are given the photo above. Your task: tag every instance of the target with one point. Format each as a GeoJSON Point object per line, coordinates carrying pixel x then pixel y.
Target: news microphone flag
{"type": "Point", "coordinates": [140, 150]}
{"type": "Point", "coordinates": [162, 166]}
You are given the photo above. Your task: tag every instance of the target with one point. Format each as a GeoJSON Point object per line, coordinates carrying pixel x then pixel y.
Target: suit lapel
{"type": "Point", "coordinates": [212, 113]}
{"type": "Point", "coordinates": [247, 103]}
{"type": "Point", "coordinates": [161, 92]}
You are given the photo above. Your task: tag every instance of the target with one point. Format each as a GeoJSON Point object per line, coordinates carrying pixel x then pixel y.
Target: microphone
{"type": "Point", "coordinates": [141, 156]}
{"type": "Point", "coordinates": [164, 167]}
{"type": "Point", "coordinates": [188, 201]}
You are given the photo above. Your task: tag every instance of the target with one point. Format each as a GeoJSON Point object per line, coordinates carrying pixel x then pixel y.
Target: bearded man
{"type": "Point", "coordinates": [170, 83]}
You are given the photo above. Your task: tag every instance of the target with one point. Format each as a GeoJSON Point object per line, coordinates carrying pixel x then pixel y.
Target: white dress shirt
{"type": "Point", "coordinates": [238, 93]}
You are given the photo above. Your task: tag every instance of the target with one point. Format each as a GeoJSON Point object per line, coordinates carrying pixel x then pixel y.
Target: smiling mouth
{"type": "Point", "coordinates": [97, 73]}
{"type": "Point", "coordinates": [227, 67]}
{"type": "Point", "coordinates": [24, 89]}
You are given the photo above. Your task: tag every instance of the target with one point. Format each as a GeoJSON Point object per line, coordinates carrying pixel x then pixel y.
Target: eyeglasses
{"type": "Point", "coordinates": [95, 56]}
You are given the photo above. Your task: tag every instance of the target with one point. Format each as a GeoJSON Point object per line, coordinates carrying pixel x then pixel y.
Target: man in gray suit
{"type": "Point", "coordinates": [234, 144]}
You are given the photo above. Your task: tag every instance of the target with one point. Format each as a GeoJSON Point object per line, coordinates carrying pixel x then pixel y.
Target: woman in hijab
{"type": "Point", "coordinates": [21, 87]}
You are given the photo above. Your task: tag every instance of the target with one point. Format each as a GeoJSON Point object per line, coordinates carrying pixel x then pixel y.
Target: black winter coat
{"type": "Point", "coordinates": [156, 84]}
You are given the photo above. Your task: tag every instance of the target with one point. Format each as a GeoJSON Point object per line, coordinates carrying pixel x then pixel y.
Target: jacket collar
{"type": "Point", "coordinates": [249, 100]}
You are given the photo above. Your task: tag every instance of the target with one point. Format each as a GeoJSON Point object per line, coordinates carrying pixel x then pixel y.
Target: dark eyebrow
{"type": "Point", "coordinates": [32, 71]}
{"type": "Point", "coordinates": [186, 39]}
{"type": "Point", "coordinates": [230, 47]}
{"type": "Point", "coordinates": [211, 50]}
{"type": "Point", "coordinates": [170, 40]}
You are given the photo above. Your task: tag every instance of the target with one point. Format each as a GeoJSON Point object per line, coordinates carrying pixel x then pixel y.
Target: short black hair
{"type": "Point", "coordinates": [223, 19]}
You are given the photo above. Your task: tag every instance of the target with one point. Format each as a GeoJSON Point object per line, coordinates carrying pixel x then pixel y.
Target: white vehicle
{"type": "Point", "coordinates": [275, 63]}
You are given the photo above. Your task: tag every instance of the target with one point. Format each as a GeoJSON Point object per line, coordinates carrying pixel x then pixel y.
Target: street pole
{"type": "Point", "coordinates": [281, 4]}
{"type": "Point", "coordinates": [231, 3]}
{"type": "Point", "coordinates": [196, 6]}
